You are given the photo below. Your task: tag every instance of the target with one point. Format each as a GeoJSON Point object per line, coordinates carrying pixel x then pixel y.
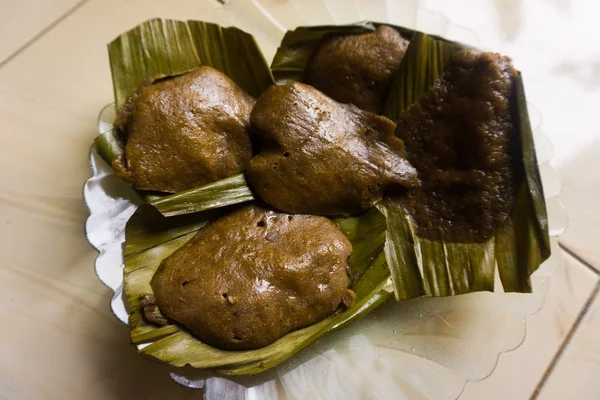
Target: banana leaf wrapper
{"type": "Point", "coordinates": [161, 48]}
{"type": "Point", "coordinates": [150, 237]}
{"type": "Point", "coordinates": [388, 256]}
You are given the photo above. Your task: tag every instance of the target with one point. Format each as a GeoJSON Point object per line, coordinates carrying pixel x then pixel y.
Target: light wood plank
{"type": "Point", "coordinates": [518, 372]}
{"type": "Point", "coordinates": [576, 374]}
{"type": "Point", "coordinates": [21, 21]}
{"type": "Point", "coordinates": [54, 310]}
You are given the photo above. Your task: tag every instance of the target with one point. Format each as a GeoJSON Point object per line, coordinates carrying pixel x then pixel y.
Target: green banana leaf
{"type": "Point", "coordinates": [160, 48]}
{"type": "Point", "coordinates": [426, 58]}
{"type": "Point", "coordinates": [224, 192]}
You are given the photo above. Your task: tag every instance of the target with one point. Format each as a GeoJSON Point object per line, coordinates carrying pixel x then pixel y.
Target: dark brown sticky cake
{"type": "Point", "coordinates": [254, 275]}
{"type": "Point", "coordinates": [357, 69]}
{"type": "Point", "coordinates": [459, 136]}
{"type": "Point", "coordinates": [184, 132]}
{"type": "Point", "coordinates": [318, 156]}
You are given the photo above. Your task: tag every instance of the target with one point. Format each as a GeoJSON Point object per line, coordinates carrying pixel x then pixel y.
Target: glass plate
{"type": "Point", "coordinates": [421, 348]}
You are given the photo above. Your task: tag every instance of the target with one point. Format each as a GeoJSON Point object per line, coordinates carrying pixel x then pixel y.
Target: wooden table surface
{"type": "Point", "coordinates": [58, 339]}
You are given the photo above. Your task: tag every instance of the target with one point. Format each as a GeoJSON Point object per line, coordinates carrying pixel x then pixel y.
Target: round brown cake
{"type": "Point", "coordinates": [184, 132]}
{"type": "Point", "coordinates": [254, 275]}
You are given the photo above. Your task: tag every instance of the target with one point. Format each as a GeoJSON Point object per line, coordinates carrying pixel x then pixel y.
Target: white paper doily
{"type": "Point", "coordinates": [423, 348]}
